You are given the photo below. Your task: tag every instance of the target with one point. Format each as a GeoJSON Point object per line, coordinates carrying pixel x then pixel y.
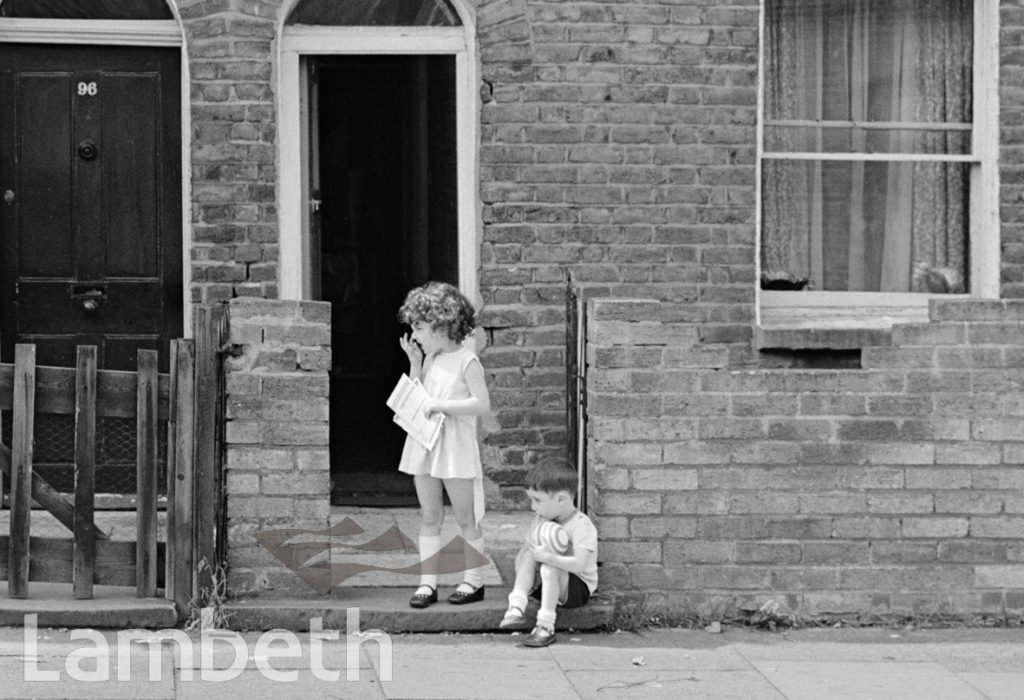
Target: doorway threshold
{"type": "Point", "coordinates": [373, 489]}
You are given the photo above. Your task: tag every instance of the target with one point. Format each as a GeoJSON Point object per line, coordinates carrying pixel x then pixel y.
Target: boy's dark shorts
{"type": "Point", "coordinates": [576, 597]}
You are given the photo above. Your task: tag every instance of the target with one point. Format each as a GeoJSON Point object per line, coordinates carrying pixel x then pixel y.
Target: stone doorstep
{"type": "Point", "coordinates": [111, 607]}
{"type": "Point", "coordinates": [386, 606]}
{"type": "Point", "coordinates": [388, 609]}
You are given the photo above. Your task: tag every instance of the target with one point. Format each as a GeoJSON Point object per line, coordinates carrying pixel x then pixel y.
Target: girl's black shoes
{"type": "Point", "coordinates": [461, 597]}
{"type": "Point", "coordinates": [423, 600]}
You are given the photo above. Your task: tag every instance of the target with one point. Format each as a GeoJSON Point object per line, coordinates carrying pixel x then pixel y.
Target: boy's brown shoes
{"type": "Point", "coordinates": [540, 637]}
{"type": "Point", "coordinates": [514, 619]}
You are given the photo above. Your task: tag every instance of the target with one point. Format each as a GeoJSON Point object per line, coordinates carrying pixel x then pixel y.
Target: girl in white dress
{"type": "Point", "coordinates": [441, 318]}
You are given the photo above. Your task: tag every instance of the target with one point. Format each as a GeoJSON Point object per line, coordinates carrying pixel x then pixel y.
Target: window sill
{"type": "Point", "coordinates": [834, 320]}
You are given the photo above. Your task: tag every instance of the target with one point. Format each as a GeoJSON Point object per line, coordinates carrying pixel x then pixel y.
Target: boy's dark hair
{"type": "Point", "coordinates": [552, 478]}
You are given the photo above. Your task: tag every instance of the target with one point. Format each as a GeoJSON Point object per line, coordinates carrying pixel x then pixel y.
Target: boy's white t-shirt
{"type": "Point", "coordinates": [583, 535]}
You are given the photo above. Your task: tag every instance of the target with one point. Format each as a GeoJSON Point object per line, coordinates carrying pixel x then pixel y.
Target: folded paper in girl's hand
{"type": "Point", "coordinates": [407, 401]}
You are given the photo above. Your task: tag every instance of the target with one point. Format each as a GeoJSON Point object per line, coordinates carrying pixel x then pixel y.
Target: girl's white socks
{"type": "Point", "coordinates": [474, 577]}
{"type": "Point", "coordinates": [429, 546]}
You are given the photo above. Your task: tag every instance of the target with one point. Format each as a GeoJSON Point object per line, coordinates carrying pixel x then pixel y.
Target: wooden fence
{"type": "Point", "coordinates": [189, 400]}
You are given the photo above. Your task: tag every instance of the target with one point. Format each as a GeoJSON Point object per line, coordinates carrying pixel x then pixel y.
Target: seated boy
{"type": "Point", "coordinates": [565, 579]}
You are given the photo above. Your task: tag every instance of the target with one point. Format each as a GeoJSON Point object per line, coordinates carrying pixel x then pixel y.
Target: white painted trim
{"type": "Point", "coordinates": [872, 157]}
{"type": "Point", "coordinates": [297, 41]}
{"type": "Point", "coordinates": [827, 299]}
{"type": "Point", "coordinates": [81, 31]}
{"type": "Point", "coordinates": [153, 33]}
{"type": "Point", "coordinates": [186, 177]}
{"type": "Point", "coordinates": [984, 193]}
{"type": "Point", "coordinates": [759, 148]}
{"type": "Point", "coordinates": [373, 40]}
{"type": "Point", "coordinates": [290, 268]}
{"type": "Point", "coordinates": [850, 124]}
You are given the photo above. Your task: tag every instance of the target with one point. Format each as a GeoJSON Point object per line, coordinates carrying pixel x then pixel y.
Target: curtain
{"type": "Point", "coordinates": [865, 225]}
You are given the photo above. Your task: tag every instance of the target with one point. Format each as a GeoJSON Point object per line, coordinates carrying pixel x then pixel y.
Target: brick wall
{"type": "Point", "coordinates": [233, 148]}
{"type": "Point", "coordinates": [891, 488]}
{"type": "Point", "coordinates": [278, 467]}
{"type": "Point", "coordinates": [618, 143]}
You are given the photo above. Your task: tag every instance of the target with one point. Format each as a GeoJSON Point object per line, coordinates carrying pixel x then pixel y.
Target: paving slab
{"type": "Point", "coordinates": [575, 657]}
{"type": "Point", "coordinates": [832, 651]}
{"type": "Point", "coordinates": [70, 663]}
{"type": "Point", "coordinates": [510, 677]}
{"type": "Point", "coordinates": [996, 686]}
{"type": "Point", "coordinates": [253, 685]}
{"type": "Point", "coordinates": [671, 685]}
{"type": "Point", "coordinates": [977, 657]}
{"type": "Point", "coordinates": [868, 680]}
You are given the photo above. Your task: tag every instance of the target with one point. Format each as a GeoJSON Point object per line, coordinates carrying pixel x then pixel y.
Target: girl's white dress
{"type": "Point", "coordinates": [456, 455]}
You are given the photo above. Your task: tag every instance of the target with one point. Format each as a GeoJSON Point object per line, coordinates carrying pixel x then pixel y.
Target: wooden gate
{"type": "Point", "coordinates": [185, 402]}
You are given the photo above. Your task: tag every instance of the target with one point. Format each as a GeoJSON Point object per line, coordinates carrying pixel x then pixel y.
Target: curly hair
{"type": "Point", "coordinates": [441, 305]}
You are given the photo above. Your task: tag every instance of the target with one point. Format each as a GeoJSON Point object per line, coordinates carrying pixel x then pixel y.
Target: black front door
{"type": "Point", "coordinates": [90, 202]}
{"type": "Point", "coordinates": [90, 216]}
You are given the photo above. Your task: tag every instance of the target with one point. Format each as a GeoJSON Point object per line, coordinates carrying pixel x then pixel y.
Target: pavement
{"type": "Point", "coordinates": [738, 663]}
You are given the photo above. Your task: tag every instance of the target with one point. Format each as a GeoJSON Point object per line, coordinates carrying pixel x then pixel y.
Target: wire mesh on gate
{"type": "Point", "coordinates": [54, 452]}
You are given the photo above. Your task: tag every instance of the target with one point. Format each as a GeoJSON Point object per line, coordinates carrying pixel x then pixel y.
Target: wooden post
{"type": "Point", "coordinates": [85, 471]}
{"type": "Point", "coordinates": [210, 335]}
{"type": "Point", "coordinates": [146, 423]}
{"type": "Point", "coordinates": [172, 431]}
{"type": "Point", "coordinates": [180, 478]}
{"type": "Point", "coordinates": [23, 410]}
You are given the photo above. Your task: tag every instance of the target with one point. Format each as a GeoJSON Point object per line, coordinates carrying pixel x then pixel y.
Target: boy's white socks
{"type": "Point", "coordinates": [517, 599]}
{"type": "Point", "coordinates": [474, 577]}
{"type": "Point", "coordinates": [546, 618]}
{"type": "Point", "coordinates": [429, 546]}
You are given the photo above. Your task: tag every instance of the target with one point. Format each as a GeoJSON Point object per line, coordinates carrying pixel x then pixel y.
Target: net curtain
{"type": "Point", "coordinates": [864, 226]}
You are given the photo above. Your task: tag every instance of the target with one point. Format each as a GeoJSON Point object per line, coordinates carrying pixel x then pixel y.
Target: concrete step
{"type": "Point", "coordinates": [388, 609]}
{"type": "Point", "coordinates": [110, 606]}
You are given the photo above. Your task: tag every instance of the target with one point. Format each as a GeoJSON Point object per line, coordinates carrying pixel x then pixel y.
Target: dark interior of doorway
{"type": "Point", "coordinates": [386, 148]}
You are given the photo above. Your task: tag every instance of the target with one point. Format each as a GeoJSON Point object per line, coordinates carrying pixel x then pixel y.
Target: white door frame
{"type": "Point", "coordinates": [168, 33]}
{"type": "Point", "coordinates": [294, 280]}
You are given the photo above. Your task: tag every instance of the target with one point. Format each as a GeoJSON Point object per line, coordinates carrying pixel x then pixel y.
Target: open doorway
{"type": "Point", "coordinates": [383, 177]}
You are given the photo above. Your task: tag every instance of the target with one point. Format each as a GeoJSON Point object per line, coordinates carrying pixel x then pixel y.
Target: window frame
{"type": "Point", "coordinates": [838, 309]}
